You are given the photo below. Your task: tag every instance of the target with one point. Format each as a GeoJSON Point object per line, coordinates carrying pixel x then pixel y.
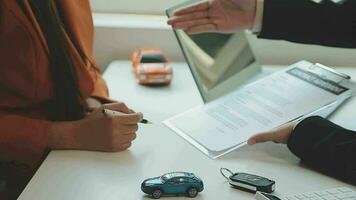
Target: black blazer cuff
{"type": "Point", "coordinates": [308, 133]}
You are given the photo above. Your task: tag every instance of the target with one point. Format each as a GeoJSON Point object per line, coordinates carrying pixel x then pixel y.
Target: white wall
{"type": "Point", "coordinates": [132, 6]}
{"type": "Point", "coordinates": [117, 35]}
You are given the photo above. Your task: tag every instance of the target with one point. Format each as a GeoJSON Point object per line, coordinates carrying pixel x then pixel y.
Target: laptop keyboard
{"type": "Point", "coordinates": [342, 193]}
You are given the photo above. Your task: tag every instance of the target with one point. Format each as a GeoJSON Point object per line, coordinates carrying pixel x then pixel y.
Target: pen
{"type": "Point", "coordinates": [115, 113]}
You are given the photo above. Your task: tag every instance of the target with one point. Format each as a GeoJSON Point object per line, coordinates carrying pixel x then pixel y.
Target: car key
{"type": "Point", "coordinates": [249, 182]}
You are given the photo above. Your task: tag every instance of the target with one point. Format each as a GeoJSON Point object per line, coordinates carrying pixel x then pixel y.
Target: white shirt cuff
{"type": "Point", "coordinates": [297, 122]}
{"type": "Point", "coordinates": [257, 24]}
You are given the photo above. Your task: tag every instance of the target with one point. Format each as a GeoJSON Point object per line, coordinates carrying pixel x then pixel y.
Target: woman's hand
{"type": "Point", "coordinates": [280, 135]}
{"type": "Point", "coordinates": [93, 104]}
{"type": "Point", "coordinates": [215, 16]}
{"type": "Point", "coordinates": [97, 131]}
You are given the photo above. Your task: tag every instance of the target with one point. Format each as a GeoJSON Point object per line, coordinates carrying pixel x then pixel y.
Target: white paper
{"type": "Point", "coordinates": [266, 104]}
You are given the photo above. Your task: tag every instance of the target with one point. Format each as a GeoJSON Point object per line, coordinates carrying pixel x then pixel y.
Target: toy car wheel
{"type": "Point", "coordinates": [192, 192]}
{"type": "Point", "coordinates": [157, 193]}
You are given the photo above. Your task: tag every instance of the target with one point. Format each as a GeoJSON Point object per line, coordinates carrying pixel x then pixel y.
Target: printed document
{"type": "Point", "coordinates": [227, 123]}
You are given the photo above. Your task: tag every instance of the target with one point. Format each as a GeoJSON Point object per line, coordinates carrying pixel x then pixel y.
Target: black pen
{"type": "Point", "coordinates": [115, 113]}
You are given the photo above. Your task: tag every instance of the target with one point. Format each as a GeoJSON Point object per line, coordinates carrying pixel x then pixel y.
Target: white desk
{"type": "Point", "coordinates": [80, 175]}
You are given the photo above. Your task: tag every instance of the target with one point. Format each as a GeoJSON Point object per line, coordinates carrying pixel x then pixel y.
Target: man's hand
{"type": "Point", "coordinates": [279, 135]}
{"type": "Point", "coordinates": [215, 16]}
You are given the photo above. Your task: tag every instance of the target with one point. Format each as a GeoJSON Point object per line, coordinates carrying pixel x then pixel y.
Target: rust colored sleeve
{"type": "Point", "coordinates": [100, 90]}
{"type": "Point", "coordinates": [23, 140]}
{"type": "Point", "coordinates": [23, 145]}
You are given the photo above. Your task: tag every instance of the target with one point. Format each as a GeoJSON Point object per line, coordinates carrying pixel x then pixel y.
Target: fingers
{"type": "Point", "coordinates": [202, 29]}
{"type": "Point", "coordinates": [262, 137]}
{"type": "Point", "coordinates": [131, 129]}
{"type": "Point", "coordinates": [121, 107]}
{"type": "Point", "coordinates": [123, 142]}
{"type": "Point", "coordinates": [278, 135]}
{"type": "Point", "coordinates": [188, 17]}
{"type": "Point", "coordinates": [132, 118]}
{"type": "Point", "coordinates": [124, 139]}
{"type": "Point", "coordinates": [193, 8]}
{"type": "Point", "coordinates": [125, 146]}
{"type": "Point", "coordinates": [119, 147]}
{"type": "Point", "coordinates": [125, 129]}
{"type": "Point", "coordinates": [123, 118]}
{"type": "Point", "coordinates": [191, 24]}
{"type": "Point", "coordinates": [194, 19]}
{"type": "Point", "coordinates": [128, 138]}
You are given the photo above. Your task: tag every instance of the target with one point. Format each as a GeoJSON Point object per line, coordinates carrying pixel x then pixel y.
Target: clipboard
{"type": "Point", "coordinates": [322, 89]}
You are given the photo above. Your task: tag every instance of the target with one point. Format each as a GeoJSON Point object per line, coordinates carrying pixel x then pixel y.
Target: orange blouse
{"type": "Point", "coordinates": [25, 84]}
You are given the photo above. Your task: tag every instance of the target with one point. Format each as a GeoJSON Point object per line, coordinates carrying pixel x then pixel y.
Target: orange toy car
{"type": "Point", "coordinates": [151, 67]}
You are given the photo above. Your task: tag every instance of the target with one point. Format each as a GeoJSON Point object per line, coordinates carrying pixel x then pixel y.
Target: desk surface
{"type": "Point", "coordinates": [157, 150]}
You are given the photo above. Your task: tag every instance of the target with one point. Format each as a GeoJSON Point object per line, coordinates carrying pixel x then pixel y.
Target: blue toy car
{"type": "Point", "coordinates": [174, 183]}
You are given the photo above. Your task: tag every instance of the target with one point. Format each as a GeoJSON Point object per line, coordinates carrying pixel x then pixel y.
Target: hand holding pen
{"type": "Point", "coordinates": [116, 113]}
{"type": "Point", "coordinates": [113, 109]}
{"type": "Point", "coordinates": [97, 131]}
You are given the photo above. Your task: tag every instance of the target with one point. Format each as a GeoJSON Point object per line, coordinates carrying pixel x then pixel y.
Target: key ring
{"type": "Point", "coordinates": [223, 172]}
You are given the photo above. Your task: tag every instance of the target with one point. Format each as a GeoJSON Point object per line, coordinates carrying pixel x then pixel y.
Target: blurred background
{"type": "Point", "coordinates": [124, 25]}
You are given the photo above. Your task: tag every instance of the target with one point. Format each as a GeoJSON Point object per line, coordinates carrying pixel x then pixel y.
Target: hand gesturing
{"type": "Point", "coordinates": [215, 16]}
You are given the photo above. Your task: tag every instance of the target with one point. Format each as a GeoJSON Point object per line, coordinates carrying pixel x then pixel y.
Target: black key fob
{"type": "Point", "coordinates": [249, 182]}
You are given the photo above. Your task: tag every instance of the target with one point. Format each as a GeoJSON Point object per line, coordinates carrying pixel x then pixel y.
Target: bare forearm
{"type": "Point", "coordinates": [61, 136]}
{"type": "Point", "coordinates": [64, 135]}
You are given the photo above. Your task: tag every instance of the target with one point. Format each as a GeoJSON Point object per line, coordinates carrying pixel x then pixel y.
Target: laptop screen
{"type": "Point", "coordinates": [214, 58]}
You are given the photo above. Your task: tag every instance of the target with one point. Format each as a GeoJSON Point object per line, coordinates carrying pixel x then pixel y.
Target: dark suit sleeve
{"type": "Point", "coordinates": [305, 21]}
{"type": "Point", "coordinates": [326, 147]}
